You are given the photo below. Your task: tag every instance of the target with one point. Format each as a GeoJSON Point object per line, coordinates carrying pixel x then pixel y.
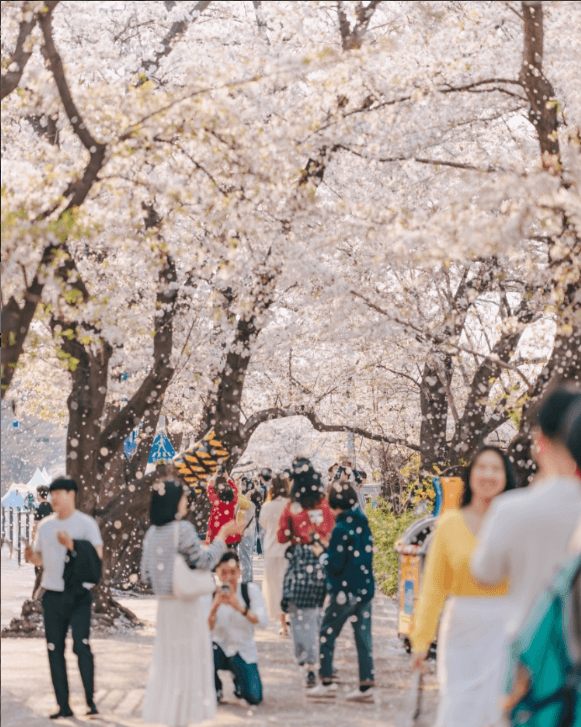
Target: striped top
{"type": "Point", "coordinates": [159, 551]}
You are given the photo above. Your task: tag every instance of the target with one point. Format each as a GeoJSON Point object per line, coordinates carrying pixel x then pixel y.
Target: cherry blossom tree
{"type": "Point", "coordinates": [365, 215]}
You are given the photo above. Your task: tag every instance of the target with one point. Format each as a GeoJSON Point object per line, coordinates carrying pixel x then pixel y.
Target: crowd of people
{"type": "Point", "coordinates": [484, 587]}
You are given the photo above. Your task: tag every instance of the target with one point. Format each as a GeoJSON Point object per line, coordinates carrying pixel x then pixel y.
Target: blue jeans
{"type": "Point", "coordinates": [247, 682]}
{"type": "Point", "coordinates": [245, 551]}
{"type": "Point", "coordinates": [334, 619]}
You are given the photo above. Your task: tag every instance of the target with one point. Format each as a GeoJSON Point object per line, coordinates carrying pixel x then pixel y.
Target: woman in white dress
{"type": "Point", "coordinates": [471, 636]}
{"type": "Point", "coordinates": [180, 687]}
{"type": "Point", "coordinates": [275, 563]}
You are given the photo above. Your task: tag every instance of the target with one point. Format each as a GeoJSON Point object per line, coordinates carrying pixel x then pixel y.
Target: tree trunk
{"type": "Point", "coordinates": [434, 408]}
{"type": "Point", "coordinates": [564, 363]}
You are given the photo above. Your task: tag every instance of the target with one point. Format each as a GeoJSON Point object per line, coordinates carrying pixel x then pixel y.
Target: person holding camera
{"type": "Point", "coordinates": [236, 610]}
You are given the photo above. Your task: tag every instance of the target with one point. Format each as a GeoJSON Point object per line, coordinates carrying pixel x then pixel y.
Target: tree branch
{"type": "Point", "coordinates": [423, 160]}
{"type": "Point", "coordinates": [438, 340]}
{"type": "Point", "coordinates": [352, 38]}
{"type": "Point", "coordinates": [78, 190]}
{"type": "Point", "coordinates": [272, 413]}
{"type": "Point", "coordinates": [540, 92]}
{"type": "Point", "coordinates": [174, 34]}
{"type": "Point", "coordinates": [17, 63]}
{"type": "Point", "coordinates": [260, 21]}
{"type": "Point", "coordinates": [147, 400]}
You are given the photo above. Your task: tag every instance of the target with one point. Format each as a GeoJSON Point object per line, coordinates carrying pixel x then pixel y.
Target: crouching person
{"type": "Point", "coordinates": [351, 587]}
{"type": "Point", "coordinates": [236, 609]}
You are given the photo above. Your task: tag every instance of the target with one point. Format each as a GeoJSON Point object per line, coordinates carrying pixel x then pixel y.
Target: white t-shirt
{"type": "Point", "coordinates": [233, 632]}
{"type": "Point", "coordinates": [79, 526]}
{"type": "Point", "coordinates": [525, 537]}
{"type": "Point", "coordinates": [269, 519]}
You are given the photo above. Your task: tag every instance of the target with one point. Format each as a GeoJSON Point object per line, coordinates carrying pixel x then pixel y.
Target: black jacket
{"type": "Point", "coordinates": [82, 567]}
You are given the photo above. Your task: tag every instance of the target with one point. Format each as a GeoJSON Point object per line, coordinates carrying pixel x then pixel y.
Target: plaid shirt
{"type": "Point", "coordinates": [304, 581]}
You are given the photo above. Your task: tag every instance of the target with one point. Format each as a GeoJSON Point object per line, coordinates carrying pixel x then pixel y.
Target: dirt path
{"type": "Point", "coordinates": [121, 671]}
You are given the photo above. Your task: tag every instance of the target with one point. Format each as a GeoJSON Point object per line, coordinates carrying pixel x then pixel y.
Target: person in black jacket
{"type": "Point", "coordinates": [42, 510]}
{"type": "Point", "coordinates": [351, 587]}
{"type": "Point", "coordinates": [69, 547]}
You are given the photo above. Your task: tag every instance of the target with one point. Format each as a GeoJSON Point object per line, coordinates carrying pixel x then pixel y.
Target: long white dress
{"type": "Point", "coordinates": [275, 563]}
{"type": "Point", "coordinates": [180, 687]}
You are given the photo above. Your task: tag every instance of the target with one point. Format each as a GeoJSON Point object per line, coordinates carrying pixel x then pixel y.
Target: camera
{"type": "Point", "coordinates": [225, 588]}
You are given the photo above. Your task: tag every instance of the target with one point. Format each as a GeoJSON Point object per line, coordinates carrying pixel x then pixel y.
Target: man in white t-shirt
{"type": "Point", "coordinates": [54, 546]}
{"type": "Point", "coordinates": [526, 532]}
{"type": "Point", "coordinates": [236, 609]}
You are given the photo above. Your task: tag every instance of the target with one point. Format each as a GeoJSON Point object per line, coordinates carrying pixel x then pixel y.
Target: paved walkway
{"type": "Point", "coordinates": [122, 661]}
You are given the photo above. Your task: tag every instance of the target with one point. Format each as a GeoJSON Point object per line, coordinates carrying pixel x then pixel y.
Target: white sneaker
{"type": "Point", "coordinates": [357, 696]}
{"type": "Point", "coordinates": [323, 691]}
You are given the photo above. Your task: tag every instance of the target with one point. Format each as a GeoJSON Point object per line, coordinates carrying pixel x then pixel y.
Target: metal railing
{"type": "Point", "coordinates": [17, 525]}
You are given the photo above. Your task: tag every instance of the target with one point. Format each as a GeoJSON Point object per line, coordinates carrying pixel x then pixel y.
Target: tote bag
{"type": "Point", "coordinates": [188, 583]}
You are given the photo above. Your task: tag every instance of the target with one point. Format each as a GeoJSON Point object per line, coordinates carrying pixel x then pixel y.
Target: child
{"type": "Point", "coordinates": [223, 494]}
{"type": "Point", "coordinates": [351, 587]}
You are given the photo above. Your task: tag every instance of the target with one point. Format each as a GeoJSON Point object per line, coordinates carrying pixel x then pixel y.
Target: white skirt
{"type": "Point", "coordinates": [471, 660]}
{"type": "Point", "coordinates": [274, 570]}
{"type": "Point", "coordinates": [180, 687]}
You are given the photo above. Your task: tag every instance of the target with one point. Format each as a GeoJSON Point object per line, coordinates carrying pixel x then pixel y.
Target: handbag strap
{"type": "Point", "coordinates": [176, 536]}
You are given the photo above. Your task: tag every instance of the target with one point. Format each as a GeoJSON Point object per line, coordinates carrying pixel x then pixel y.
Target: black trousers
{"type": "Point", "coordinates": [62, 610]}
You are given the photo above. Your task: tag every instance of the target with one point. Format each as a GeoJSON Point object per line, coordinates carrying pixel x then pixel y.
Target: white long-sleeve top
{"type": "Point", "coordinates": [269, 520]}
{"type": "Point", "coordinates": [233, 632]}
{"type": "Point", "coordinates": [525, 537]}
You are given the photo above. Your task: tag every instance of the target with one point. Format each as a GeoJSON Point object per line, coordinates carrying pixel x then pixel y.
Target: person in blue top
{"type": "Point", "coordinates": [351, 587]}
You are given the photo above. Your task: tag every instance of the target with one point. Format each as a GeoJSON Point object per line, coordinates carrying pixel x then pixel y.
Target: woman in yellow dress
{"type": "Point", "coordinates": [471, 635]}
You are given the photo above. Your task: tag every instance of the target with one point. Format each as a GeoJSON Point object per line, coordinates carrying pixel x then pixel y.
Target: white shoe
{"type": "Point", "coordinates": [323, 691]}
{"type": "Point", "coordinates": [357, 696]}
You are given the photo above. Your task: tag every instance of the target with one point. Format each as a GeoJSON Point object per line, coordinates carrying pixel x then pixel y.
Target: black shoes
{"type": "Point", "coordinates": [67, 712]}
{"type": "Point", "coordinates": [311, 680]}
{"type": "Point", "coordinates": [92, 709]}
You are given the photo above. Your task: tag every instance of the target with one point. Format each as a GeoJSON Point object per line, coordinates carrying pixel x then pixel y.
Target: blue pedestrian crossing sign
{"type": "Point", "coordinates": [162, 449]}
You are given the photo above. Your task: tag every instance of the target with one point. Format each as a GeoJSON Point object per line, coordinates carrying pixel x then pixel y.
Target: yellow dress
{"type": "Point", "coordinates": [447, 573]}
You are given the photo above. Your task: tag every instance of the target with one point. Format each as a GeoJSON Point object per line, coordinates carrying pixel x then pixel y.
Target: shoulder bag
{"type": "Point", "coordinates": [189, 583]}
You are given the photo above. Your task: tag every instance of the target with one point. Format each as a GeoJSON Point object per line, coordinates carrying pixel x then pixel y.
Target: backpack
{"type": "Point", "coordinates": [548, 646]}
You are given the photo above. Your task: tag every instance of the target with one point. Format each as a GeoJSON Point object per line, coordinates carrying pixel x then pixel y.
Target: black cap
{"type": "Point", "coordinates": [64, 483]}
